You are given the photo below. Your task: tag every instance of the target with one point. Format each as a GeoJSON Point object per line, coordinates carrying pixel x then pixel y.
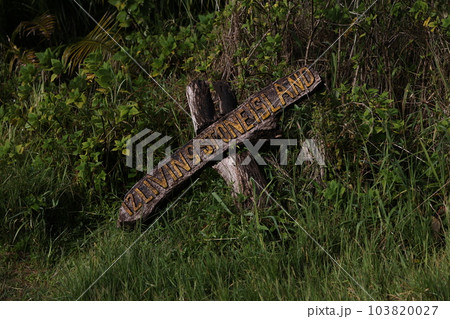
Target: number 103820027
{"type": "Point", "coordinates": [402, 310]}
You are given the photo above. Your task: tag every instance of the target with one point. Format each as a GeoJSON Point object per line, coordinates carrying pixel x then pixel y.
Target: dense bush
{"type": "Point", "coordinates": [69, 103]}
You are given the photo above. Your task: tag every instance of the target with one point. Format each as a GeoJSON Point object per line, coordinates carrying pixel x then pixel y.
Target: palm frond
{"type": "Point", "coordinates": [43, 25]}
{"type": "Point", "coordinates": [97, 39]}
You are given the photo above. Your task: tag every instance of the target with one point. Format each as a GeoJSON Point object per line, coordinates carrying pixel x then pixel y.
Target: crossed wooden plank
{"type": "Point", "coordinates": [236, 126]}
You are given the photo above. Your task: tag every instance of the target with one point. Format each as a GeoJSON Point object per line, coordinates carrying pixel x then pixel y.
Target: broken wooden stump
{"type": "Point", "coordinates": [204, 113]}
{"type": "Point", "coordinates": [245, 122]}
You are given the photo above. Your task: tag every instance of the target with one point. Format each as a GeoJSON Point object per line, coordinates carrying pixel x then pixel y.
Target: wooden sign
{"type": "Point", "coordinates": [234, 127]}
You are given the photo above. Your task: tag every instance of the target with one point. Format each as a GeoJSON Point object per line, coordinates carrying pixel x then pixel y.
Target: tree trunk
{"type": "Point", "coordinates": [203, 114]}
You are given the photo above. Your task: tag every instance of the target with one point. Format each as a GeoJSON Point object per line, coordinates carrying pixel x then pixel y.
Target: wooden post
{"type": "Point", "coordinates": [202, 110]}
{"type": "Point", "coordinates": [250, 120]}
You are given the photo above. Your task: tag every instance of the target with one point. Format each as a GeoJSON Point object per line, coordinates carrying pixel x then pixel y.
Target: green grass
{"type": "Point", "coordinates": [199, 251]}
{"type": "Point", "coordinates": [375, 221]}
{"type": "Point", "coordinates": [371, 211]}
{"type": "Point", "coordinates": [379, 209]}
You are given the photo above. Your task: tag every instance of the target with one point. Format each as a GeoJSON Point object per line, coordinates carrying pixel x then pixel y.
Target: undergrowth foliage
{"type": "Point", "coordinates": [68, 106]}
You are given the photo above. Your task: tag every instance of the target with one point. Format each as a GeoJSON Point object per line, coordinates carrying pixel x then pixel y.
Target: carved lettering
{"type": "Point", "coordinates": [127, 210]}
{"type": "Point", "coordinates": [304, 71]}
{"type": "Point", "coordinates": [142, 195]}
{"type": "Point", "coordinates": [212, 137]}
{"type": "Point", "coordinates": [244, 118]}
{"type": "Point", "coordinates": [258, 105]}
{"type": "Point", "coordinates": [172, 174]}
{"type": "Point", "coordinates": [251, 110]}
{"type": "Point", "coordinates": [149, 186]}
{"type": "Point", "coordinates": [221, 130]}
{"type": "Point", "coordinates": [297, 83]}
{"type": "Point", "coordinates": [190, 154]}
{"type": "Point", "coordinates": [162, 181]}
{"type": "Point", "coordinates": [233, 125]}
{"type": "Point", "coordinates": [268, 103]}
{"type": "Point", "coordinates": [176, 165]}
{"type": "Point", "coordinates": [241, 123]}
{"type": "Point", "coordinates": [281, 90]}
{"type": "Point", "coordinates": [130, 200]}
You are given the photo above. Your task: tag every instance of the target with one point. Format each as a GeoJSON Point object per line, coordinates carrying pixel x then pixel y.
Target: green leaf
{"type": "Point", "coordinates": [133, 111]}
{"type": "Point", "coordinates": [57, 66]}
{"type": "Point", "coordinates": [105, 76]}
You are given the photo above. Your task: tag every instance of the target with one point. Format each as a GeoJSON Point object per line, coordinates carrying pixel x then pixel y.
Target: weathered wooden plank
{"type": "Point", "coordinates": [234, 127]}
